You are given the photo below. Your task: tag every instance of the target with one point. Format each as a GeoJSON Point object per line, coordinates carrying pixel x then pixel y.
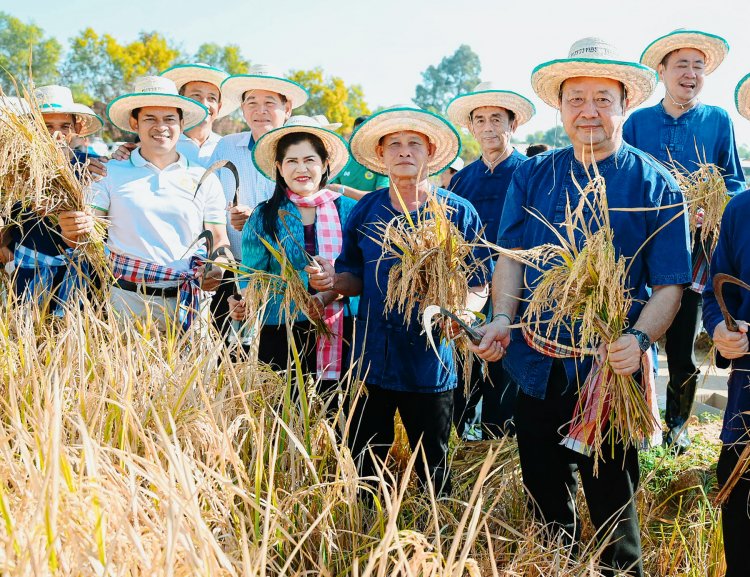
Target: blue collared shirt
{"type": "Point", "coordinates": [702, 134]}
{"type": "Point", "coordinates": [395, 356]}
{"type": "Point", "coordinates": [732, 256]}
{"type": "Point", "coordinates": [544, 184]}
{"type": "Point", "coordinates": [486, 189]}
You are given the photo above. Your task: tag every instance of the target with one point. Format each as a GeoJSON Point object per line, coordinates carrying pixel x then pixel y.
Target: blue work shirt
{"type": "Point", "coordinates": [486, 189]}
{"type": "Point", "coordinates": [544, 184]}
{"type": "Point", "coordinates": [395, 356]}
{"type": "Point", "coordinates": [732, 256]}
{"type": "Point", "coordinates": [702, 134]}
{"type": "Point", "coordinates": [255, 256]}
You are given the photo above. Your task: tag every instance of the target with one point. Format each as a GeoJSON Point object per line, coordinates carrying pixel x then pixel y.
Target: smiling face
{"type": "Point", "coordinates": [62, 127]}
{"type": "Point", "coordinates": [683, 73]}
{"type": "Point", "coordinates": [406, 154]}
{"type": "Point", "coordinates": [302, 168]}
{"type": "Point", "coordinates": [592, 111]}
{"type": "Point", "coordinates": [264, 111]}
{"type": "Point", "coordinates": [158, 127]}
{"type": "Point", "coordinates": [492, 128]}
{"type": "Point", "coordinates": [207, 94]}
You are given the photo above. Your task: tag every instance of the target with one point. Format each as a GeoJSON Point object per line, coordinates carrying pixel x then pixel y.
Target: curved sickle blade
{"type": "Point", "coordinates": [720, 279]}
{"type": "Point", "coordinates": [429, 313]}
{"type": "Point", "coordinates": [215, 167]}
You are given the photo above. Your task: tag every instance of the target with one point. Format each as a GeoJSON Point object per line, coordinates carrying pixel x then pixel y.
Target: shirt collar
{"type": "Point", "coordinates": [245, 140]}
{"type": "Point", "coordinates": [212, 138]}
{"type": "Point", "coordinates": [685, 114]}
{"type": "Point", "coordinates": [137, 160]}
{"type": "Point", "coordinates": [615, 158]}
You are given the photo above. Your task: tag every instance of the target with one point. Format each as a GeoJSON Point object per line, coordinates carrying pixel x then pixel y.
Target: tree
{"type": "Point", "coordinates": [149, 55]}
{"type": "Point", "coordinates": [455, 74]}
{"type": "Point", "coordinates": [92, 69]}
{"type": "Point", "coordinates": [554, 137]}
{"type": "Point", "coordinates": [331, 96]}
{"type": "Point", "coordinates": [21, 44]}
{"type": "Point", "coordinates": [227, 57]}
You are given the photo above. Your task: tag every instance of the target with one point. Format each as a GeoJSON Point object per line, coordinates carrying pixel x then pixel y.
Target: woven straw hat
{"type": "Point", "coordinates": [487, 94]}
{"type": "Point", "coordinates": [54, 99]}
{"type": "Point", "coordinates": [599, 59]}
{"type": "Point", "coordinates": [398, 119]}
{"type": "Point", "coordinates": [715, 48]}
{"type": "Point", "coordinates": [154, 91]}
{"type": "Point", "coordinates": [14, 105]}
{"type": "Point", "coordinates": [261, 77]}
{"type": "Point", "coordinates": [742, 96]}
{"type": "Point", "coordinates": [264, 151]}
{"type": "Point", "coordinates": [181, 74]}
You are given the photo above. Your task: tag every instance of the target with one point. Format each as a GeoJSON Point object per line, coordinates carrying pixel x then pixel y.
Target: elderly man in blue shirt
{"type": "Point", "coordinates": [731, 257]}
{"type": "Point", "coordinates": [400, 370]}
{"type": "Point", "coordinates": [592, 89]}
{"type": "Point", "coordinates": [492, 116]}
{"type": "Point", "coordinates": [681, 132]}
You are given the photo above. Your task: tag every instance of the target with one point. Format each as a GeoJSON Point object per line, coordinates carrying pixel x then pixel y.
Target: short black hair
{"type": "Point", "coordinates": [283, 97]}
{"type": "Point", "coordinates": [181, 91]}
{"type": "Point", "coordinates": [511, 114]}
{"type": "Point", "coordinates": [534, 149]}
{"type": "Point", "coordinates": [136, 111]}
{"type": "Point", "coordinates": [359, 120]}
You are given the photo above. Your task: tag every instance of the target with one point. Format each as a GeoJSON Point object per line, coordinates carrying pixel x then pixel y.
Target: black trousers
{"type": "Point", "coordinates": [220, 304]}
{"type": "Point", "coordinates": [549, 474]}
{"type": "Point", "coordinates": [683, 370]}
{"type": "Point", "coordinates": [496, 390]}
{"type": "Point", "coordinates": [426, 418]}
{"type": "Point", "coordinates": [735, 514]}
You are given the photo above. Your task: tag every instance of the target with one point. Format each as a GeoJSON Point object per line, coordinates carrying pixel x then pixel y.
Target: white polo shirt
{"type": "Point", "coordinates": [195, 154]}
{"type": "Point", "coordinates": [254, 187]}
{"type": "Point", "coordinates": [154, 214]}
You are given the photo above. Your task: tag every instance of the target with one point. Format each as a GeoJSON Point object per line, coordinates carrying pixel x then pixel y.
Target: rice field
{"type": "Point", "coordinates": [125, 451]}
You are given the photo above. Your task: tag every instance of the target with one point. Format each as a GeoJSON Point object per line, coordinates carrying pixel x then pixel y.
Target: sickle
{"type": "Point", "coordinates": [429, 313]}
{"type": "Point", "coordinates": [215, 167]}
{"type": "Point", "coordinates": [720, 279]}
{"type": "Point", "coordinates": [208, 236]}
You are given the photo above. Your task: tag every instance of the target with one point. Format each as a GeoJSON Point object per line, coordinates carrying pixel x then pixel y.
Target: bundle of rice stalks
{"type": "Point", "coordinates": [706, 194]}
{"type": "Point", "coordinates": [36, 173]}
{"type": "Point", "coordinates": [583, 292]}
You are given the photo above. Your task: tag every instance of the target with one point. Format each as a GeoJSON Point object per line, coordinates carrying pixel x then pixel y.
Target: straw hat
{"type": "Point", "coordinates": [181, 74]}
{"type": "Point", "coordinates": [597, 58]}
{"type": "Point", "coordinates": [14, 105]}
{"type": "Point", "coordinates": [715, 48]}
{"type": "Point", "coordinates": [487, 94]}
{"type": "Point", "coordinates": [264, 151]}
{"type": "Point", "coordinates": [154, 91]}
{"type": "Point", "coordinates": [261, 77]}
{"type": "Point", "coordinates": [397, 119]}
{"type": "Point", "coordinates": [742, 96]}
{"type": "Point", "coordinates": [323, 121]}
{"type": "Point", "coordinates": [54, 99]}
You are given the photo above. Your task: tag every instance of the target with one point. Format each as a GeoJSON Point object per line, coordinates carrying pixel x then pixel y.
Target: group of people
{"type": "Point", "coordinates": [306, 193]}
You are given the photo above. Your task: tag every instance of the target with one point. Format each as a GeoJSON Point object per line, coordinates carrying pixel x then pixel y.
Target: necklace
{"type": "Point", "coordinates": [491, 165]}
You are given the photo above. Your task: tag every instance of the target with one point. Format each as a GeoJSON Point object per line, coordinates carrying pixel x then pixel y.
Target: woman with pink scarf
{"type": "Point", "coordinates": [305, 219]}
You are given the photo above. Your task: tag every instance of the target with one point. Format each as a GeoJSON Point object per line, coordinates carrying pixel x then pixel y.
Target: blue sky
{"type": "Point", "coordinates": [384, 45]}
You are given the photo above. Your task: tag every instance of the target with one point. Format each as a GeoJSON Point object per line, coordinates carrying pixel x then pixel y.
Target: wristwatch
{"type": "Point", "coordinates": [644, 342]}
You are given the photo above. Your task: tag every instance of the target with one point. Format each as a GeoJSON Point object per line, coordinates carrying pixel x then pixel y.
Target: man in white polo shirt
{"type": "Point", "coordinates": [153, 209]}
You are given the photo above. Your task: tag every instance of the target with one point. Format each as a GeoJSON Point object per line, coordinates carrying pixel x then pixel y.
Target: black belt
{"type": "Point", "coordinates": [166, 292]}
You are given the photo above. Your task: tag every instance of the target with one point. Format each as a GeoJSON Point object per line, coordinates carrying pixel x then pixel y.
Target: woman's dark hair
{"type": "Point", "coordinates": [270, 209]}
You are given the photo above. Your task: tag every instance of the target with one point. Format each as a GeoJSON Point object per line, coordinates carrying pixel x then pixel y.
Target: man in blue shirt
{"type": "Point", "coordinates": [732, 256]}
{"type": "Point", "coordinates": [492, 116]}
{"type": "Point", "coordinates": [399, 368]}
{"type": "Point", "coordinates": [681, 132]}
{"type": "Point", "coordinates": [592, 89]}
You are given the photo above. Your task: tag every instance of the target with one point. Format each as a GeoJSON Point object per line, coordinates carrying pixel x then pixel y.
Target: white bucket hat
{"type": "Point", "coordinates": [597, 58]}
{"type": "Point", "coordinates": [55, 99]}
{"type": "Point", "coordinates": [715, 48]}
{"type": "Point", "coordinates": [264, 151]}
{"type": "Point", "coordinates": [325, 123]}
{"type": "Point", "coordinates": [154, 91]}
{"type": "Point", "coordinates": [181, 74]}
{"type": "Point", "coordinates": [487, 94]}
{"type": "Point", "coordinates": [261, 77]}
{"type": "Point", "coordinates": [742, 96]}
{"type": "Point", "coordinates": [398, 119]}
{"type": "Point", "coordinates": [457, 164]}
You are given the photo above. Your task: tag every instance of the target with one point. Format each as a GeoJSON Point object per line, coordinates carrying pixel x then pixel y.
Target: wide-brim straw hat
{"type": "Point", "coordinates": [595, 58]}
{"type": "Point", "coordinates": [14, 105]}
{"type": "Point", "coordinates": [325, 123]}
{"type": "Point", "coordinates": [262, 77]}
{"type": "Point", "coordinates": [181, 74]}
{"type": "Point", "coordinates": [154, 91]}
{"type": "Point", "coordinates": [401, 118]}
{"type": "Point", "coordinates": [488, 94]}
{"type": "Point", "coordinates": [742, 96]}
{"type": "Point", "coordinates": [55, 99]}
{"type": "Point", "coordinates": [714, 47]}
{"type": "Point", "coordinates": [264, 151]}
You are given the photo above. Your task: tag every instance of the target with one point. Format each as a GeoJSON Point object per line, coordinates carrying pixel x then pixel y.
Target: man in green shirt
{"type": "Point", "coordinates": [355, 180]}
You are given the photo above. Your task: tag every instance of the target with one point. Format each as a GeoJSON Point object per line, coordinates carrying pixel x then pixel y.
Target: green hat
{"type": "Point", "coordinates": [715, 48]}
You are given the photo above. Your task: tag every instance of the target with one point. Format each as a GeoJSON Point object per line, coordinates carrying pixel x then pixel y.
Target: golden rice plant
{"type": "Point", "coordinates": [582, 289]}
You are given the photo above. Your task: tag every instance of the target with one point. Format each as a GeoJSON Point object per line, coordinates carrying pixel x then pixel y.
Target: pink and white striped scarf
{"type": "Point", "coordinates": [330, 240]}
